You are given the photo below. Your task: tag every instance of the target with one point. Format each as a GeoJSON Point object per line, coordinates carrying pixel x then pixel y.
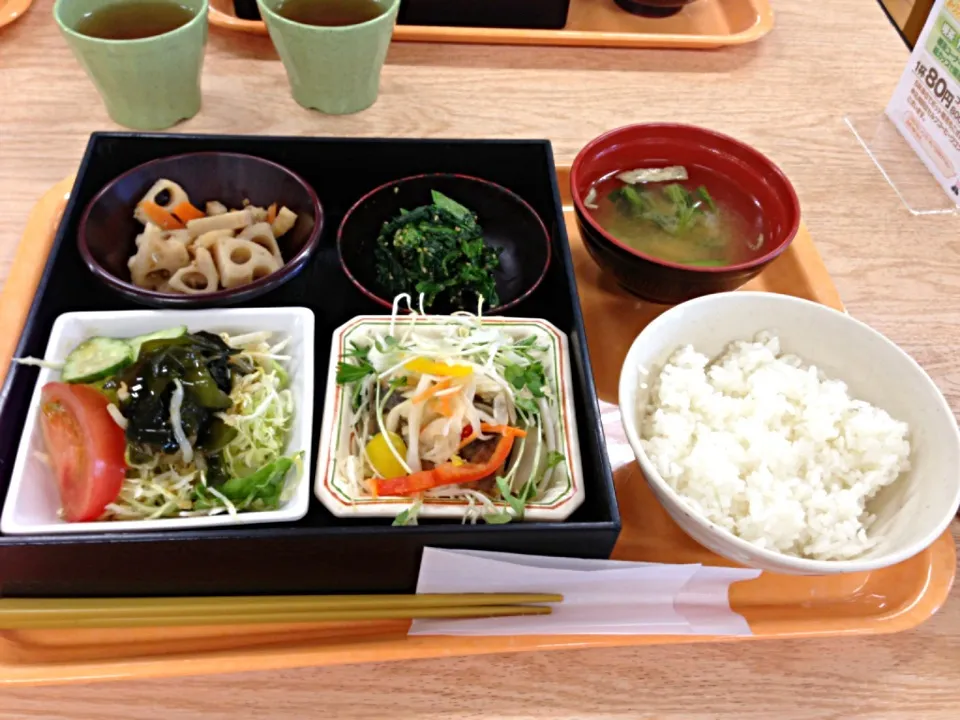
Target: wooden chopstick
{"type": "Point", "coordinates": [51, 620]}
{"type": "Point", "coordinates": [266, 604]}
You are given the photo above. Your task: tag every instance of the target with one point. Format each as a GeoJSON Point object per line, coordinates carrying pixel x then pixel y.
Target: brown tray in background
{"type": "Point", "coordinates": [776, 606]}
{"type": "Point", "coordinates": [702, 25]}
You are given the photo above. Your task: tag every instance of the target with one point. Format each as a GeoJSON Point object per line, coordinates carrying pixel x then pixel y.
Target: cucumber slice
{"type": "Point", "coordinates": [95, 359]}
{"type": "Point", "coordinates": [168, 334]}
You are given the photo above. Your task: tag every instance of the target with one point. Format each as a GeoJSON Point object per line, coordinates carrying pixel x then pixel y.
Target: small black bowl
{"type": "Point", "coordinates": [247, 9]}
{"type": "Point", "coordinates": [108, 230]}
{"type": "Point", "coordinates": [653, 8]}
{"type": "Point", "coordinates": [509, 224]}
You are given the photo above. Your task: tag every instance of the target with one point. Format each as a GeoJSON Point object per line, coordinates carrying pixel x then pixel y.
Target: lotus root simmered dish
{"type": "Point", "coordinates": [189, 251]}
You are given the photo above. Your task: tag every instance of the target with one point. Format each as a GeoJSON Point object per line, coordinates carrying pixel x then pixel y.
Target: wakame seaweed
{"type": "Point", "coordinates": [201, 362]}
{"type": "Point", "coordinates": [437, 250]}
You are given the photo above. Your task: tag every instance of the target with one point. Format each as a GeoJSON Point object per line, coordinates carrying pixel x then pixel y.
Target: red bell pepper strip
{"type": "Point", "coordinates": [446, 474]}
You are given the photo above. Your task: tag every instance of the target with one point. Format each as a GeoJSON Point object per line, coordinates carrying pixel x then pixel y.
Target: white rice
{"type": "Point", "coordinates": [771, 449]}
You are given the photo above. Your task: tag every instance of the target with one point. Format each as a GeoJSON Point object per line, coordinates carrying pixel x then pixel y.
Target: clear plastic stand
{"type": "Point", "coordinates": [904, 171]}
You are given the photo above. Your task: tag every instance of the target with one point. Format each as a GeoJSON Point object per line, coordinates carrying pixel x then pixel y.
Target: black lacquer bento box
{"type": "Point", "coordinates": [320, 553]}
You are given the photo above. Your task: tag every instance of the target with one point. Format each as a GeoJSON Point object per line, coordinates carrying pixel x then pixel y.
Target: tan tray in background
{"type": "Point", "coordinates": [702, 25]}
{"type": "Point", "coordinates": [776, 606]}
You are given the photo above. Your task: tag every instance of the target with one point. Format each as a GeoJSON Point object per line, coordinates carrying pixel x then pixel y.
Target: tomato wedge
{"type": "Point", "coordinates": [86, 448]}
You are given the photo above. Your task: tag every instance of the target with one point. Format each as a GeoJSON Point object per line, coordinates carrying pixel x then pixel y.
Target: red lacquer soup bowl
{"type": "Point", "coordinates": [742, 179]}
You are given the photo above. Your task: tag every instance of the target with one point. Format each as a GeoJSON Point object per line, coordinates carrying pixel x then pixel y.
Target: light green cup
{"type": "Point", "coordinates": [148, 84]}
{"type": "Point", "coordinates": [335, 70]}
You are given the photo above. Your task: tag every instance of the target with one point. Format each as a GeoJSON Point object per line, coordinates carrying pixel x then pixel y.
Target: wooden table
{"type": "Point", "coordinates": [786, 95]}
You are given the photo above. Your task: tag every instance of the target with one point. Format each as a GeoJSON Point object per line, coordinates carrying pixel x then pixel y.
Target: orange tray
{"type": "Point", "coordinates": [776, 606]}
{"type": "Point", "coordinates": [10, 10]}
{"type": "Point", "coordinates": [703, 25]}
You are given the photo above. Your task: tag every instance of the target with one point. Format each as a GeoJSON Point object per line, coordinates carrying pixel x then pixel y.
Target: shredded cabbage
{"type": "Point", "coordinates": [262, 414]}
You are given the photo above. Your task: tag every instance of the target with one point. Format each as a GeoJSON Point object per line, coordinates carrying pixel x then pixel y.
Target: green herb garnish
{"type": "Point", "coordinates": [707, 198]}
{"type": "Point", "coordinates": [261, 489]}
{"type": "Point", "coordinates": [409, 516]}
{"type": "Point", "coordinates": [349, 373]}
{"type": "Point", "coordinates": [683, 213]}
{"type": "Point", "coordinates": [437, 250]}
{"type": "Point", "coordinates": [516, 502]}
{"type": "Point", "coordinates": [500, 518]}
{"type": "Point", "coordinates": [531, 377]}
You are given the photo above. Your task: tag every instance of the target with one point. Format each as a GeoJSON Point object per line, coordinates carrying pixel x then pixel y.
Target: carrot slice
{"type": "Point", "coordinates": [272, 213]}
{"type": "Point", "coordinates": [503, 430]}
{"type": "Point", "coordinates": [470, 435]}
{"type": "Point", "coordinates": [443, 405]}
{"type": "Point", "coordinates": [160, 217]}
{"type": "Point", "coordinates": [186, 212]}
{"type": "Point", "coordinates": [431, 391]}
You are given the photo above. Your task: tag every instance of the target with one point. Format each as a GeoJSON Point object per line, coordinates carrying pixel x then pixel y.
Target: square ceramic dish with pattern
{"type": "Point", "coordinates": [446, 375]}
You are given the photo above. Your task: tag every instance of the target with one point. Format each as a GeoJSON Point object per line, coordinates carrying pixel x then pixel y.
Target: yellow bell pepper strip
{"type": "Point", "coordinates": [382, 458]}
{"type": "Point", "coordinates": [448, 473]}
{"type": "Point", "coordinates": [425, 366]}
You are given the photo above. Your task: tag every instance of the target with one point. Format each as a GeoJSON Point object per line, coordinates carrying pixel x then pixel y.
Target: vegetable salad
{"type": "Point", "coordinates": [450, 408]}
{"type": "Point", "coordinates": [201, 424]}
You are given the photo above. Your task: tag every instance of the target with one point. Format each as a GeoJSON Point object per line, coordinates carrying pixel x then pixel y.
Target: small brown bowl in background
{"type": "Point", "coordinates": [752, 179]}
{"type": "Point", "coordinates": [509, 224]}
{"type": "Point", "coordinates": [108, 230]}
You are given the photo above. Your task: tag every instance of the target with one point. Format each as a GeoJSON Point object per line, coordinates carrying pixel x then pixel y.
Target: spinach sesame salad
{"type": "Point", "coordinates": [450, 408]}
{"type": "Point", "coordinates": [437, 251]}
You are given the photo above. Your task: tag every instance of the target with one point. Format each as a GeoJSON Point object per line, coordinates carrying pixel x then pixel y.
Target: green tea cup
{"type": "Point", "coordinates": [147, 84]}
{"type": "Point", "coordinates": [335, 70]}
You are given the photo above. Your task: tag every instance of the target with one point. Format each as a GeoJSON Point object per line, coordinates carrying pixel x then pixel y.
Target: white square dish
{"type": "Point", "coordinates": [333, 490]}
{"type": "Point", "coordinates": [32, 503]}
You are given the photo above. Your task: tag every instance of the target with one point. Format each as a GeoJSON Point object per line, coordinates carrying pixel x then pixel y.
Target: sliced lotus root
{"type": "Point", "coordinates": [209, 240]}
{"type": "Point", "coordinates": [262, 235]}
{"type": "Point", "coordinates": [165, 193]}
{"type": "Point", "coordinates": [180, 236]}
{"type": "Point", "coordinates": [156, 260]}
{"type": "Point", "coordinates": [215, 207]}
{"type": "Point", "coordinates": [200, 276]}
{"type": "Point", "coordinates": [240, 262]}
{"type": "Point", "coordinates": [233, 220]}
{"type": "Point", "coordinates": [285, 221]}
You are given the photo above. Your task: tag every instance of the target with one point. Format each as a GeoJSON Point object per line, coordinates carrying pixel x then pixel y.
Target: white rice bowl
{"type": "Point", "coordinates": [771, 449]}
{"type": "Point", "coordinates": [791, 521]}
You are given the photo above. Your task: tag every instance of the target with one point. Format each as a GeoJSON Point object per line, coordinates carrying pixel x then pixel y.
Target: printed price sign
{"type": "Point", "coordinates": [926, 104]}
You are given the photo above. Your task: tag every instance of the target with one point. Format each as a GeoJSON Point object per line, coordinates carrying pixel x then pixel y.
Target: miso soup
{"type": "Point", "coordinates": [686, 216]}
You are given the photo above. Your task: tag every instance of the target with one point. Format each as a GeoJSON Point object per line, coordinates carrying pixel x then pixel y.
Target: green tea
{"type": "Point", "coordinates": [689, 221]}
{"type": "Point", "coordinates": [134, 20]}
{"type": "Point", "coordinates": [330, 13]}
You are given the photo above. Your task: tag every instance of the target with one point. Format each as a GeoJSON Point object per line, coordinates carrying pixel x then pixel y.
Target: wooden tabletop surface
{"type": "Point", "coordinates": [787, 95]}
